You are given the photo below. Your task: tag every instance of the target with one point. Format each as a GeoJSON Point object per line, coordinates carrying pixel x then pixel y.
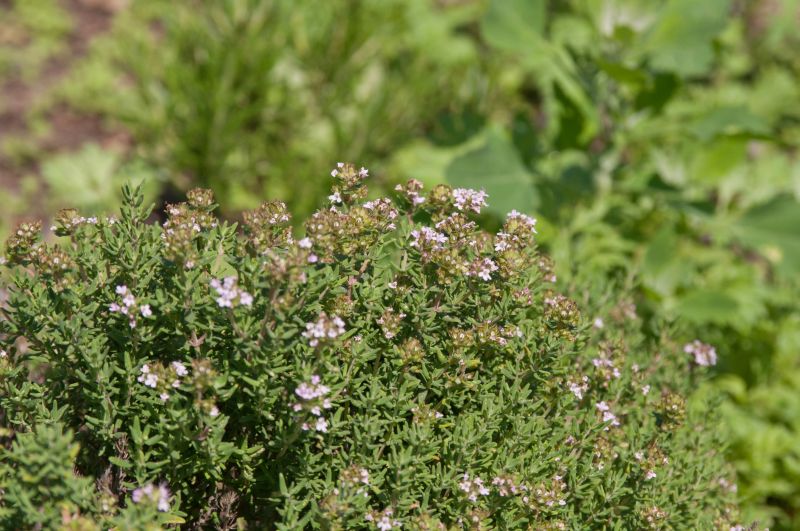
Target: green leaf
{"type": "Point", "coordinates": [514, 25]}
{"type": "Point", "coordinates": [119, 462]}
{"type": "Point", "coordinates": [496, 168]}
{"type": "Point", "coordinates": [85, 177]}
{"type": "Point", "coordinates": [681, 40]}
{"type": "Point", "coordinates": [729, 120]}
{"type": "Point", "coordinates": [518, 26]}
{"type": "Point", "coordinates": [708, 306]}
{"type": "Point", "coordinates": [774, 229]}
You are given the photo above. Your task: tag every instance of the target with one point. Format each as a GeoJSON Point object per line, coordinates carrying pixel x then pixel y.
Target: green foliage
{"type": "Point", "coordinates": [37, 479]}
{"type": "Point", "coordinates": [244, 96]}
{"type": "Point", "coordinates": [653, 140]}
{"type": "Point", "coordinates": [396, 365]}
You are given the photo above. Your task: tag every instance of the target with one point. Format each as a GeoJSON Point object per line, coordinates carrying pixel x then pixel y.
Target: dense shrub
{"type": "Point", "coordinates": [395, 366]}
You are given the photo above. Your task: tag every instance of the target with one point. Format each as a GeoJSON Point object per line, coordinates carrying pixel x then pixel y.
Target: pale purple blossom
{"type": "Point", "coordinates": [704, 355]}
{"type": "Point", "coordinates": [483, 269]}
{"type": "Point", "coordinates": [159, 495]}
{"type": "Point", "coordinates": [578, 389]}
{"type": "Point", "coordinates": [147, 378]}
{"type": "Point", "coordinates": [179, 368]}
{"type": "Point", "coordinates": [473, 487]}
{"type": "Point", "coordinates": [145, 310]}
{"type": "Point", "coordinates": [524, 219]}
{"type": "Point", "coordinates": [608, 416]}
{"type": "Point", "coordinates": [229, 294]}
{"type": "Point", "coordinates": [427, 237]}
{"type": "Point", "coordinates": [312, 393]}
{"type": "Point", "coordinates": [323, 328]}
{"type": "Point", "coordinates": [468, 199]}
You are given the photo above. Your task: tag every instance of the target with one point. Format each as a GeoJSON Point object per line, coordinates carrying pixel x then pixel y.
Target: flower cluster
{"type": "Point", "coordinates": [53, 263]}
{"type": "Point", "coordinates": [467, 199]}
{"type": "Point", "coordinates": [427, 240]}
{"type": "Point", "coordinates": [578, 388]}
{"type": "Point", "coordinates": [267, 227]}
{"type": "Point", "coordinates": [229, 294]}
{"type": "Point", "coordinates": [158, 495]}
{"type": "Point", "coordinates": [313, 399]}
{"type": "Point", "coordinates": [21, 242]}
{"type": "Point", "coordinates": [459, 229]}
{"type": "Point", "coordinates": [411, 192]}
{"type": "Point", "coordinates": [548, 495]}
{"type": "Point", "coordinates": [704, 355]}
{"type": "Point", "coordinates": [482, 268]}
{"type": "Point", "coordinates": [607, 415]}
{"type": "Point", "coordinates": [605, 364]}
{"type": "Point", "coordinates": [161, 378]}
{"type": "Point", "coordinates": [355, 478]}
{"type": "Point", "coordinates": [352, 229]}
{"type": "Point", "coordinates": [68, 220]}
{"type": "Point", "coordinates": [489, 333]}
{"type": "Point", "coordinates": [349, 186]}
{"type": "Point", "coordinates": [383, 520]}
{"type": "Point", "coordinates": [655, 458]}
{"type": "Point", "coordinates": [425, 413]}
{"type": "Point", "coordinates": [128, 306]}
{"type": "Point", "coordinates": [324, 328]}
{"type": "Point", "coordinates": [390, 322]}
{"type": "Point", "coordinates": [654, 517]}
{"type": "Point", "coordinates": [185, 221]}
{"type": "Point", "coordinates": [473, 487]}
{"type": "Point", "coordinates": [561, 314]}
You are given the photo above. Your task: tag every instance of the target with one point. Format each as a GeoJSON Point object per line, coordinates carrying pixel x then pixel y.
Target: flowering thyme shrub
{"type": "Point", "coordinates": [394, 367]}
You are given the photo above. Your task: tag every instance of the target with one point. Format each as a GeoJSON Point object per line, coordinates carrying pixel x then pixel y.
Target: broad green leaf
{"type": "Point", "coordinates": [718, 160]}
{"type": "Point", "coordinates": [515, 25]}
{"type": "Point", "coordinates": [85, 178]}
{"type": "Point", "coordinates": [774, 229]}
{"type": "Point", "coordinates": [681, 41]}
{"type": "Point", "coordinates": [708, 306]}
{"type": "Point", "coordinates": [496, 168]}
{"type": "Point", "coordinates": [728, 121]}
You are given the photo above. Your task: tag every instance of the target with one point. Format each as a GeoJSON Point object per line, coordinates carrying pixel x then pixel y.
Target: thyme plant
{"type": "Point", "coordinates": [392, 367]}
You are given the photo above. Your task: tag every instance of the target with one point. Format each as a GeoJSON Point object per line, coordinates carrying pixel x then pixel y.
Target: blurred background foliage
{"type": "Point", "coordinates": [656, 141]}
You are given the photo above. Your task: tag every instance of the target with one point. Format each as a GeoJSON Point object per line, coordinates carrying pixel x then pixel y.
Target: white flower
{"type": "Point", "coordinates": [649, 475]}
{"type": "Point", "coordinates": [335, 197]}
{"type": "Point", "coordinates": [305, 243]}
{"type": "Point", "coordinates": [598, 323]}
{"type": "Point", "coordinates": [145, 310]}
{"type": "Point", "coordinates": [179, 368]}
